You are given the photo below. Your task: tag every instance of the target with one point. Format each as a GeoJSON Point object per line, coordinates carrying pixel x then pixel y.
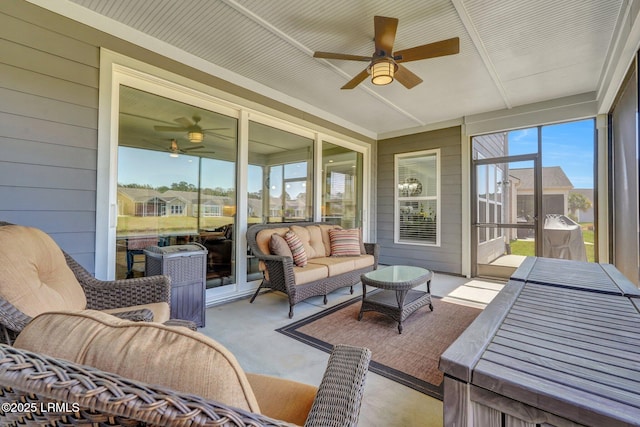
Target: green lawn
{"type": "Point", "coordinates": [527, 247]}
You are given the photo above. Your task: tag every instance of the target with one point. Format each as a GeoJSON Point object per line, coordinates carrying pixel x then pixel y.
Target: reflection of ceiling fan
{"type": "Point", "coordinates": [384, 64]}
{"type": "Point", "coordinates": [195, 133]}
{"type": "Point", "coordinates": [174, 149]}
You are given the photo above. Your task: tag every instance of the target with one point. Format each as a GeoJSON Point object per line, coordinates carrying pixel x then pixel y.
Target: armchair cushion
{"type": "Point", "coordinates": [272, 393]}
{"type": "Point", "coordinates": [174, 357]}
{"type": "Point", "coordinates": [34, 275]}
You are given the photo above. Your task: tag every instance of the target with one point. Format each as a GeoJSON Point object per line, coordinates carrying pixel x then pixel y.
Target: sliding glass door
{"type": "Point", "coordinates": [176, 182]}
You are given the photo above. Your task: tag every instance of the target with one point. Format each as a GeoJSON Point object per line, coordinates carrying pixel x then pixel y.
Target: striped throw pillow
{"type": "Point", "coordinates": [345, 242]}
{"type": "Point", "coordinates": [297, 249]}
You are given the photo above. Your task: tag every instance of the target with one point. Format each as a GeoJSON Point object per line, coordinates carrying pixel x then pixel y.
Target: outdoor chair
{"type": "Point", "coordinates": [117, 372]}
{"type": "Point", "coordinates": [37, 276]}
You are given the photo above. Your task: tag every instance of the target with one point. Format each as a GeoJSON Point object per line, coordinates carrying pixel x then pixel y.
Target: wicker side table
{"type": "Point", "coordinates": [395, 296]}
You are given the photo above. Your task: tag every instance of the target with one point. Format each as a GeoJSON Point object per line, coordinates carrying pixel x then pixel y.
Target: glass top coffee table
{"type": "Point", "coordinates": [395, 296]}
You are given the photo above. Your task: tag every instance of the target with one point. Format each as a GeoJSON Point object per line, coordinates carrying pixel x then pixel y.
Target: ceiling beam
{"type": "Point", "coordinates": [482, 51]}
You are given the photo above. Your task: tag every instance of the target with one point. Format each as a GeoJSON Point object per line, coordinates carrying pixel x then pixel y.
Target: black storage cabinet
{"type": "Point", "coordinates": [187, 267]}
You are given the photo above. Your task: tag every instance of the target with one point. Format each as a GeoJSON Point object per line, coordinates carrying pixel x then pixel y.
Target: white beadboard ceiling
{"type": "Point", "coordinates": [512, 52]}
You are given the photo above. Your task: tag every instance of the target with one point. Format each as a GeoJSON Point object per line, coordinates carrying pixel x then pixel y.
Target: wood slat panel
{"type": "Point", "coordinates": [575, 274]}
{"type": "Point", "coordinates": [546, 348]}
{"type": "Point", "coordinates": [586, 407]}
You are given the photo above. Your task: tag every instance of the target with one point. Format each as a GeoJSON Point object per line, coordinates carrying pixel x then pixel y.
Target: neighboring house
{"type": "Point", "coordinates": [149, 202]}
{"type": "Point", "coordinates": [556, 187]}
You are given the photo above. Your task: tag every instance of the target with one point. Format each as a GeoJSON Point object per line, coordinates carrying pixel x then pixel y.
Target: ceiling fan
{"type": "Point", "coordinates": [175, 149]}
{"type": "Point", "coordinates": [195, 133]}
{"type": "Point", "coordinates": [385, 64]}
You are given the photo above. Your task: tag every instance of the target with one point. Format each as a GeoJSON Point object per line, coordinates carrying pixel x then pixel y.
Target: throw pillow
{"type": "Point", "coordinates": [279, 246]}
{"type": "Point", "coordinates": [345, 242]}
{"type": "Point", "coordinates": [297, 249]}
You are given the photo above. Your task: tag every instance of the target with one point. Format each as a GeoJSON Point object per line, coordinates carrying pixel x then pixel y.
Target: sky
{"type": "Point", "coordinates": [568, 145]}
{"type": "Point", "coordinates": [157, 168]}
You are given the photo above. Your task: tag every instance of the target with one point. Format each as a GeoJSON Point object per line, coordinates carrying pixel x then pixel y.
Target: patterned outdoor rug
{"type": "Point", "coordinates": [410, 358]}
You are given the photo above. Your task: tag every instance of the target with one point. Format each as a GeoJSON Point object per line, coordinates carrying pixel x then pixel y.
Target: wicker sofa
{"type": "Point", "coordinates": [324, 272]}
{"type": "Point", "coordinates": [78, 368]}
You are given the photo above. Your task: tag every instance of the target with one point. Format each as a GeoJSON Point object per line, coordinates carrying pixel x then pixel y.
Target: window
{"type": "Point", "coordinates": [417, 201]}
{"type": "Point", "coordinates": [342, 185]}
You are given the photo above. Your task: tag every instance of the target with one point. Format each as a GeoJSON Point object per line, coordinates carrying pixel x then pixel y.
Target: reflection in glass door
{"type": "Point", "coordinates": [341, 186]}
{"type": "Point", "coordinates": [504, 224]}
{"type": "Point", "coordinates": [176, 182]}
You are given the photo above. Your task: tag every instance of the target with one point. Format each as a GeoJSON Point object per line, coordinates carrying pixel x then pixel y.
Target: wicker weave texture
{"type": "Point", "coordinates": [94, 397]}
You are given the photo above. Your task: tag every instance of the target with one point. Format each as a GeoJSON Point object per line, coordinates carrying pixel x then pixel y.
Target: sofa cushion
{"type": "Point", "coordinates": [279, 246]}
{"type": "Point", "coordinates": [34, 275]}
{"type": "Point", "coordinates": [326, 240]}
{"type": "Point", "coordinates": [174, 357]}
{"type": "Point", "coordinates": [345, 242]}
{"type": "Point", "coordinates": [311, 238]}
{"type": "Point", "coordinates": [363, 261]}
{"type": "Point", "coordinates": [297, 248]}
{"type": "Point", "coordinates": [283, 399]}
{"type": "Point", "coordinates": [309, 273]}
{"type": "Point", "coordinates": [335, 265]}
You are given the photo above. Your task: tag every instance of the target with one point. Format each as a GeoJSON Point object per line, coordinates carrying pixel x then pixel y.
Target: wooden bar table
{"type": "Point", "coordinates": [553, 354]}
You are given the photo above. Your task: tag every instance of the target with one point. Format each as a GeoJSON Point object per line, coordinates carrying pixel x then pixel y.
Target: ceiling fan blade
{"type": "Point", "coordinates": [168, 129]}
{"type": "Point", "coordinates": [406, 77]}
{"type": "Point", "coordinates": [185, 122]}
{"type": "Point", "coordinates": [329, 55]}
{"type": "Point", "coordinates": [197, 147]}
{"type": "Point", "coordinates": [219, 135]}
{"type": "Point", "coordinates": [385, 34]}
{"type": "Point", "coordinates": [431, 50]}
{"type": "Point", "coordinates": [356, 80]}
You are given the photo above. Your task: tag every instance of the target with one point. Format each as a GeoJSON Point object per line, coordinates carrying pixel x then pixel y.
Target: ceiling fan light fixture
{"type": "Point", "coordinates": [173, 155]}
{"type": "Point", "coordinates": [195, 136]}
{"type": "Point", "coordinates": [382, 71]}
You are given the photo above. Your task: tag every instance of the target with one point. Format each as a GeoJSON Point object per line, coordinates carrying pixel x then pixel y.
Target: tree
{"type": "Point", "coordinates": [578, 202]}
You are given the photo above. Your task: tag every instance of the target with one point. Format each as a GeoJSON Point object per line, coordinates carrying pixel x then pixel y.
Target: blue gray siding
{"type": "Point", "coordinates": [446, 258]}
{"type": "Point", "coordinates": [48, 130]}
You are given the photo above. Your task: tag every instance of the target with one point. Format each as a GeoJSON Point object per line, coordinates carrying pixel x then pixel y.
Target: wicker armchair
{"type": "Point", "coordinates": [100, 295]}
{"type": "Point", "coordinates": [38, 389]}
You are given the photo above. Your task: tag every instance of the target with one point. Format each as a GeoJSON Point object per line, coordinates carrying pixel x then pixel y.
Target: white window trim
{"type": "Point", "coordinates": [396, 199]}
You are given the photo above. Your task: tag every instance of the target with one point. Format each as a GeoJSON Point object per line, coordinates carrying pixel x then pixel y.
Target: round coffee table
{"type": "Point", "coordinates": [395, 296]}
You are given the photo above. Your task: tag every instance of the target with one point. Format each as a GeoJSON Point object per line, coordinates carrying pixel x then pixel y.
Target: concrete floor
{"type": "Point", "coordinates": [248, 331]}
